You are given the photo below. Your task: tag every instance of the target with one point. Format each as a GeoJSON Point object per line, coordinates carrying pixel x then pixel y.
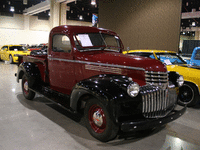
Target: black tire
{"type": "Point", "coordinates": [188, 95]}
{"type": "Point", "coordinates": [10, 59]}
{"type": "Point", "coordinates": [28, 94]}
{"type": "Point", "coordinates": [103, 128]}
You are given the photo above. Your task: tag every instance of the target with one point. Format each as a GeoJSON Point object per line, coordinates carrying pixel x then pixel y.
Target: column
{"type": "Point", "coordinates": [197, 35]}
{"type": "Point", "coordinates": [63, 13]}
{"type": "Point", "coordinates": [26, 22]}
{"type": "Point", "coordinates": [54, 13]}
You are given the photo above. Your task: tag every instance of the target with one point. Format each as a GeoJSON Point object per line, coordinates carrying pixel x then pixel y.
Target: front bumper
{"type": "Point", "coordinates": [151, 123]}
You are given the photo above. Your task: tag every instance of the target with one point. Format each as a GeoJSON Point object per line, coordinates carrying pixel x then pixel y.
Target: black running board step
{"type": "Point", "coordinates": [60, 99]}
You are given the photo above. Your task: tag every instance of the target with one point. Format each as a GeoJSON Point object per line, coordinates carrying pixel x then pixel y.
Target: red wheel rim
{"type": "Point", "coordinates": [25, 87]}
{"type": "Point", "coordinates": [97, 119]}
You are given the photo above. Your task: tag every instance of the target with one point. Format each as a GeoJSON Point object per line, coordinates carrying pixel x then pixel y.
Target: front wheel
{"type": "Point", "coordinates": [98, 122]}
{"type": "Point", "coordinates": [10, 59]}
{"type": "Point", "coordinates": [188, 95]}
{"type": "Point", "coordinates": [28, 94]}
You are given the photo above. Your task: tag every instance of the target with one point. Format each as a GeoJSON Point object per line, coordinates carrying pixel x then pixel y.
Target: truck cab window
{"type": "Point", "coordinates": [61, 43]}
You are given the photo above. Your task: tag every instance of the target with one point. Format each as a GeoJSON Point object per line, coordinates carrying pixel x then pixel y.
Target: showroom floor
{"type": "Point", "coordinates": [40, 124]}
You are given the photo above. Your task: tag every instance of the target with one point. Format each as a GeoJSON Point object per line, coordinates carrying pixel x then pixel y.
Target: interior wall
{"type": "Point", "coordinates": [13, 36]}
{"type": "Point", "coordinates": [38, 25]}
{"type": "Point", "coordinates": [143, 24]}
{"type": "Point", "coordinates": [30, 30]}
{"type": "Point", "coordinates": [15, 22]}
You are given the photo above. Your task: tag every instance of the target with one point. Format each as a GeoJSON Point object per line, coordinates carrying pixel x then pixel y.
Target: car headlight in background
{"type": "Point", "coordinates": [180, 80]}
{"type": "Point", "coordinates": [133, 89]}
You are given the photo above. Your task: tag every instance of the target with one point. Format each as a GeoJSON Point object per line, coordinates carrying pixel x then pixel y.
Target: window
{"type": "Point", "coordinates": [197, 56]}
{"type": "Point", "coordinates": [97, 41]}
{"type": "Point", "coordinates": [5, 47]}
{"type": "Point", "coordinates": [61, 43]}
{"type": "Point", "coordinates": [17, 48]}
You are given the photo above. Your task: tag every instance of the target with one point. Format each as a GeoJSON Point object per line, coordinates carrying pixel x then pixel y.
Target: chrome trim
{"type": "Point", "coordinates": [156, 102]}
{"type": "Point", "coordinates": [99, 64]}
{"type": "Point", "coordinates": [157, 78]}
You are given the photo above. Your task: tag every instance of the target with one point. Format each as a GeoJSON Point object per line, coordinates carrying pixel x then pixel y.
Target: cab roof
{"type": "Point", "coordinates": [80, 29]}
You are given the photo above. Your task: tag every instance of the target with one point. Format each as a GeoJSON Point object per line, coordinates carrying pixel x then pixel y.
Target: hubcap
{"type": "Point", "coordinates": [26, 87]}
{"type": "Point", "coordinates": [97, 118]}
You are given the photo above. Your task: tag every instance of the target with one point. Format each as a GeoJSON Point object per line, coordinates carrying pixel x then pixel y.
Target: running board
{"type": "Point", "coordinates": [59, 99]}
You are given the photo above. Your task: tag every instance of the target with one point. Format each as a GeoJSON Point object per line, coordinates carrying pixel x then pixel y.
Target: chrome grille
{"type": "Point", "coordinates": [157, 78]}
{"type": "Point", "coordinates": [156, 102]}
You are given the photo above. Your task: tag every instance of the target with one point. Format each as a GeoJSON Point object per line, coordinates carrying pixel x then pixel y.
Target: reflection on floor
{"type": "Point", "coordinates": [40, 124]}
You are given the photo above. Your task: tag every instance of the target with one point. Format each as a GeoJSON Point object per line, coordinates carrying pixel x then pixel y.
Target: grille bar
{"type": "Point", "coordinates": [155, 102]}
{"type": "Point", "coordinates": [156, 78]}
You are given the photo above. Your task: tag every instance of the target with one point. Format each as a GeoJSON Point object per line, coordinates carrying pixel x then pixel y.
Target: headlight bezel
{"type": "Point", "coordinates": [133, 89]}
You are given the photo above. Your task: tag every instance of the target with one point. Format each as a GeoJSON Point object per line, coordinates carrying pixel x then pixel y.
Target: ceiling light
{"type": "Point", "coordinates": [12, 9]}
{"type": "Point", "coordinates": [93, 2]}
{"type": "Point", "coordinates": [193, 24]}
{"type": "Point", "coordinates": [25, 2]}
{"type": "Point", "coordinates": [80, 17]}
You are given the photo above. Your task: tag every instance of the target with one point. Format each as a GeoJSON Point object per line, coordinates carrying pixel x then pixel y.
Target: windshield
{"type": "Point", "coordinates": [97, 41]}
{"type": "Point", "coordinates": [17, 48]}
{"type": "Point", "coordinates": [170, 58]}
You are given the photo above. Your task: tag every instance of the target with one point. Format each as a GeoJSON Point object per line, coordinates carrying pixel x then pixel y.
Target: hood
{"type": "Point", "coordinates": [123, 60]}
{"type": "Point", "coordinates": [189, 66]}
{"type": "Point", "coordinates": [182, 67]}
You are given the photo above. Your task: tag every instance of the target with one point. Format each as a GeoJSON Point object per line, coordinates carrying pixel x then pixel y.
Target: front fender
{"type": "Point", "coordinates": [111, 90]}
{"type": "Point", "coordinates": [30, 69]}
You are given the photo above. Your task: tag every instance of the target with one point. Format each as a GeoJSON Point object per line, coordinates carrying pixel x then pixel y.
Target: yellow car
{"type": "Point", "coordinates": [189, 92]}
{"type": "Point", "coordinates": [10, 53]}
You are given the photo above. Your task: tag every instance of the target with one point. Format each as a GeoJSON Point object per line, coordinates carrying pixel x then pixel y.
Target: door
{"type": "Point", "coordinates": [61, 66]}
{"type": "Point", "coordinates": [3, 52]}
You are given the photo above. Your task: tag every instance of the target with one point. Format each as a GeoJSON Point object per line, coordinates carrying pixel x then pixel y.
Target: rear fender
{"type": "Point", "coordinates": [30, 69]}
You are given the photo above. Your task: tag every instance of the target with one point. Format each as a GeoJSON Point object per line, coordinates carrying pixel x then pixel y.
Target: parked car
{"type": "Point", "coordinates": [189, 92]}
{"type": "Point", "coordinates": [38, 47]}
{"type": "Point", "coordinates": [195, 58]}
{"type": "Point", "coordinates": [10, 53]}
{"type": "Point", "coordinates": [85, 72]}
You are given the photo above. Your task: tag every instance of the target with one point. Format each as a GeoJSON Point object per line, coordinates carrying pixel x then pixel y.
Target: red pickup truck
{"type": "Point", "coordinates": [85, 72]}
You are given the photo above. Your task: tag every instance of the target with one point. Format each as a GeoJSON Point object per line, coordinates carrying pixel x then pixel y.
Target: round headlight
{"type": "Point", "coordinates": [180, 80]}
{"type": "Point", "coordinates": [133, 89]}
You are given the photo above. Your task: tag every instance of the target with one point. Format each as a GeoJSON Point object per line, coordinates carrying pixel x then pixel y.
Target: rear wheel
{"type": "Point", "coordinates": [28, 94]}
{"type": "Point", "coordinates": [188, 95]}
{"type": "Point", "coordinates": [98, 122]}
